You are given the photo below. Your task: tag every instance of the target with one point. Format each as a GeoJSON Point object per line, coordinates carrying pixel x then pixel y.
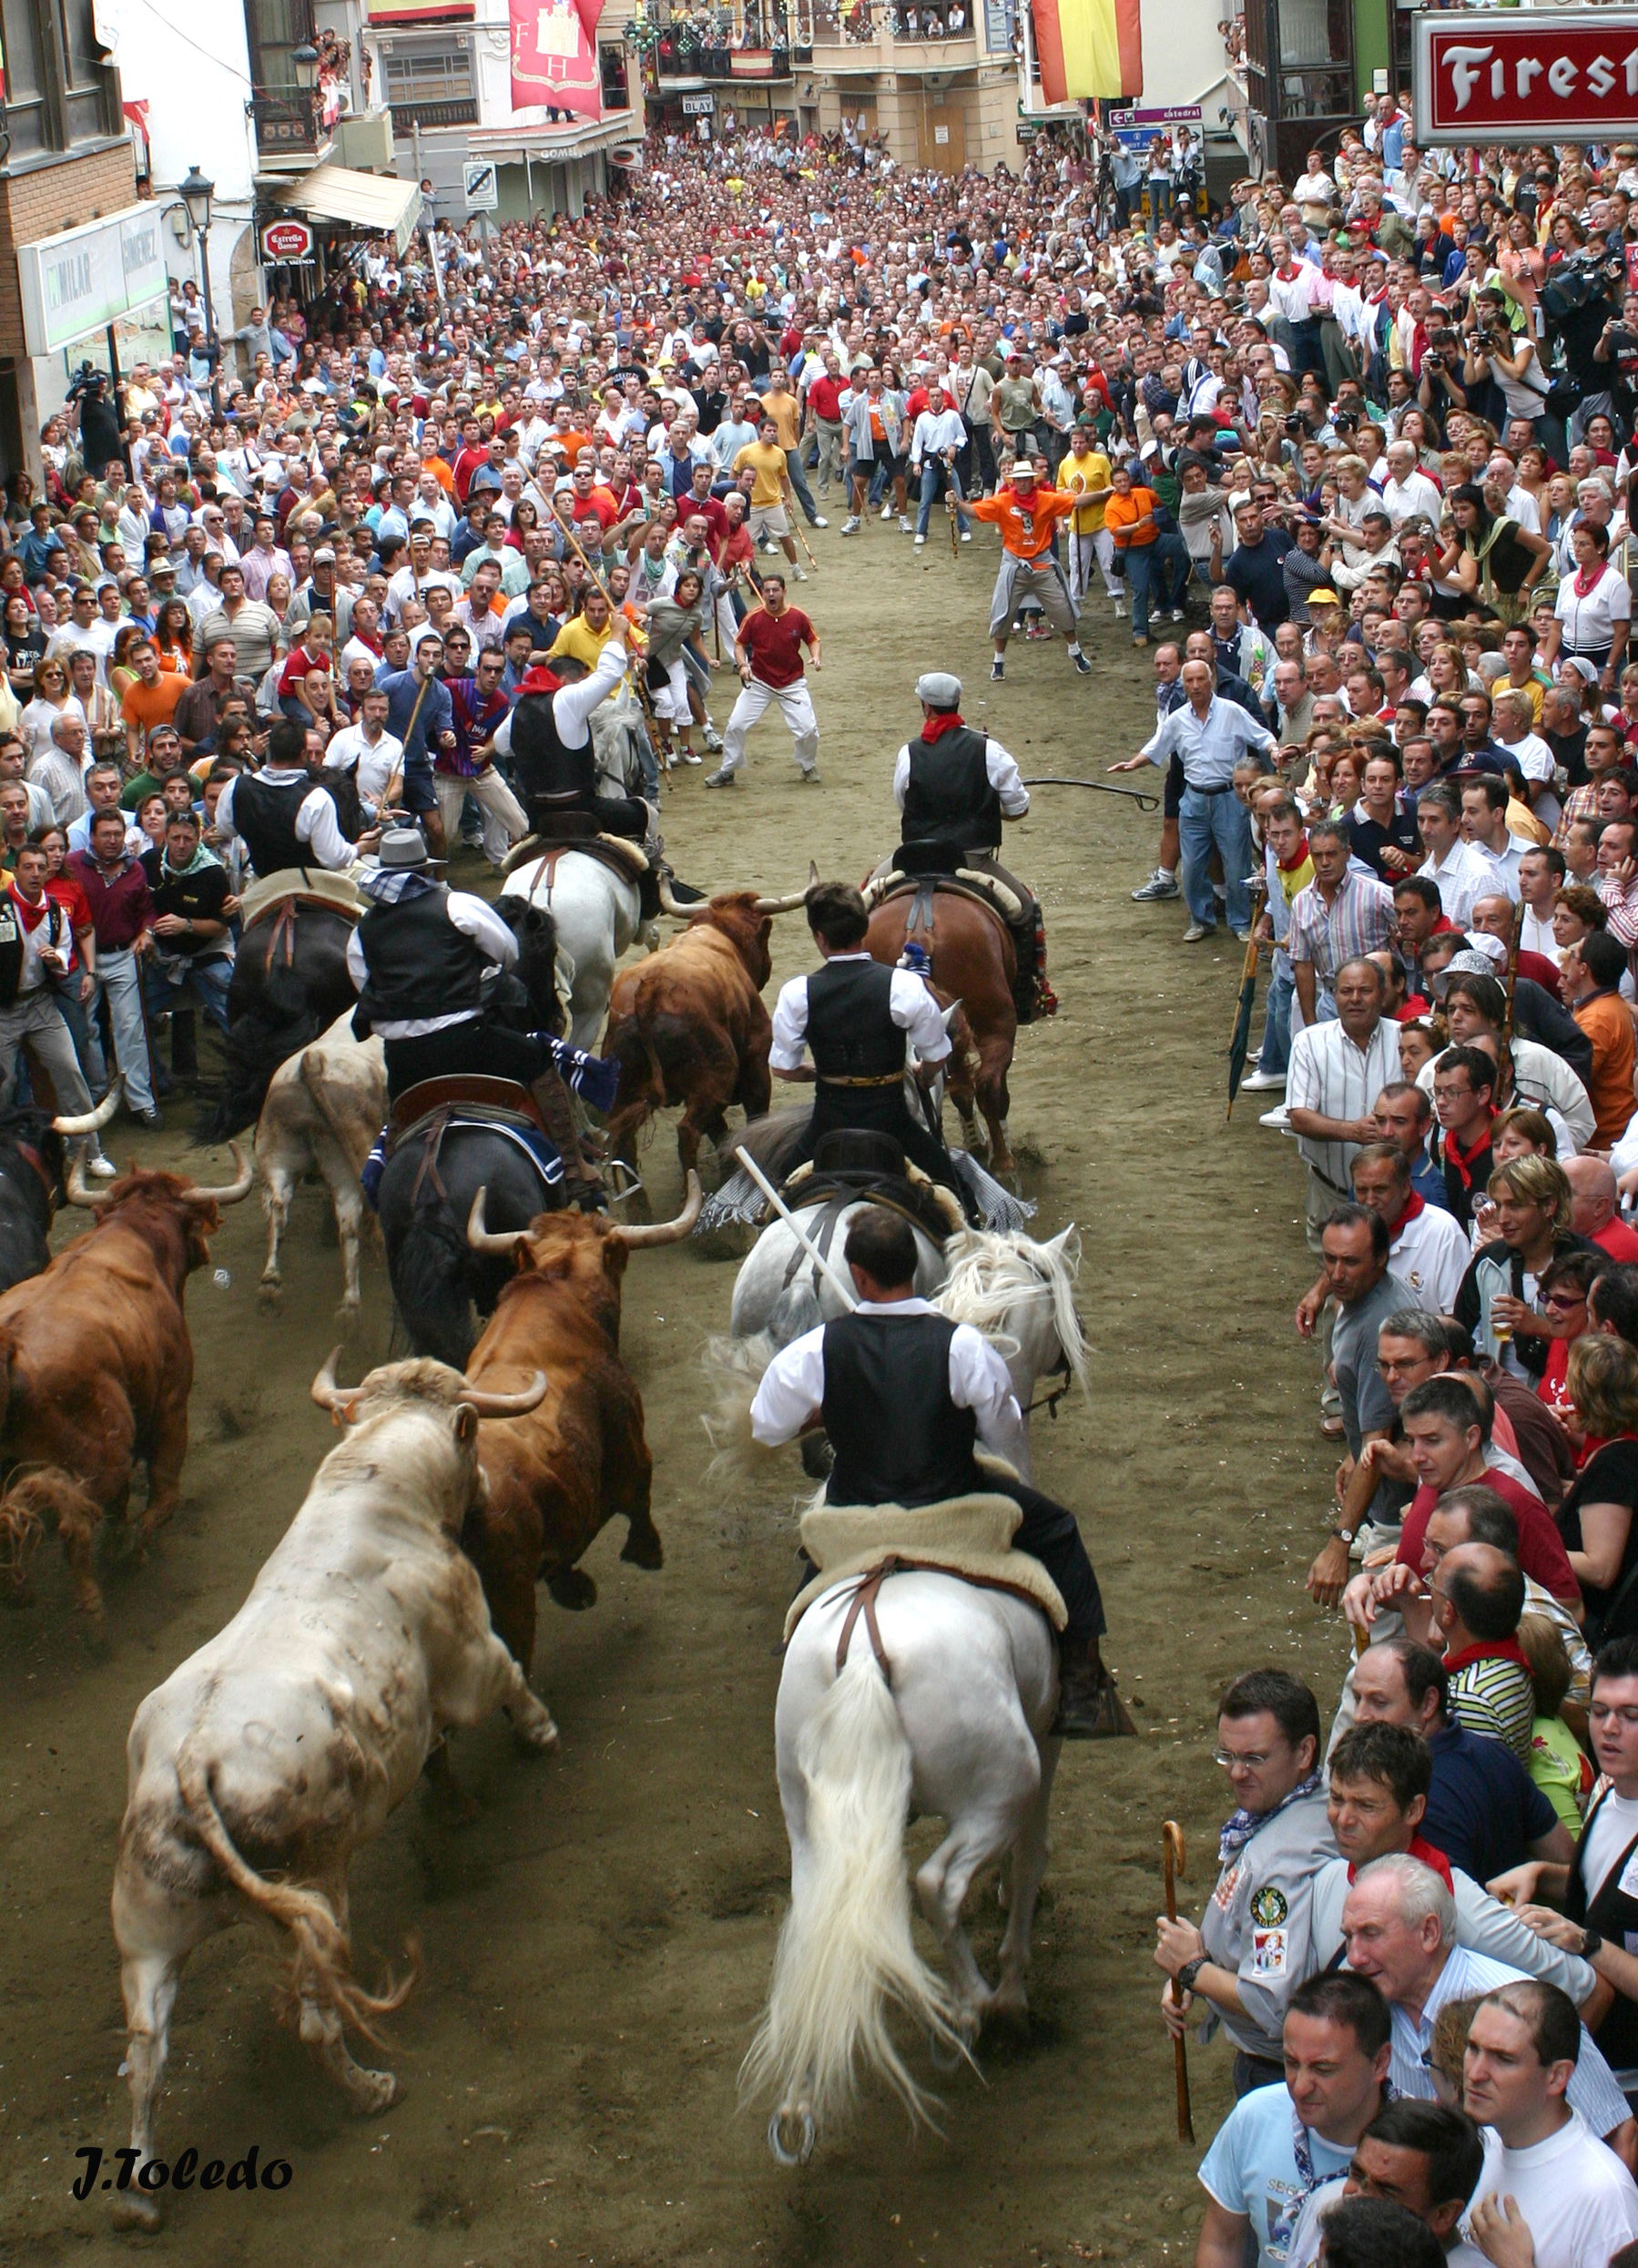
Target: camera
{"type": "Point", "coordinates": [1295, 424]}
{"type": "Point", "coordinates": [1432, 362]}
{"type": "Point", "coordinates": [87, 381]}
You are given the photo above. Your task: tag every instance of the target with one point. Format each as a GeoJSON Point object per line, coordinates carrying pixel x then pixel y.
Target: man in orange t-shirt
{"type": "Point", "coordinates": [1592, 972]}
{"type": "Point", "coordinates": [1027, 512]}
{"type": "Point", "coordinates": [150, 699]}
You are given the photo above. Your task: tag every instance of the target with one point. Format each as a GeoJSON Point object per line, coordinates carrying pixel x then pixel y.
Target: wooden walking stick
{"type": "Point", "coordinates": [1174, 1862]}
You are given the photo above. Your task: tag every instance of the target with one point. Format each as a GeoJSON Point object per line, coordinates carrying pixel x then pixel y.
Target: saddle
{"type": "Point", "coordinates": [569, 825]}
{"type": "Point", "coordinates": [426, 1113]}
{"type": "Point", "coordinates": [854, 1167]}
{"type": "Point", "coordinates": [294, 886]}
{"type": "Point", "coordinates": [968, 1536]}
{"type": "Point", "coordinates": [926, 869]}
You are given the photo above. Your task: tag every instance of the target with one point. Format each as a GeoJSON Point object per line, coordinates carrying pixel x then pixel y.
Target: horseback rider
{"type": "Point", "coordinates": [905, 1397]}
{"type": "Point", "coordinates": [854, 1016]}
{"type": "Point", "coordinates": [548, 739]}
{"type": "Point", "coordinates": [956, 787]}
{"type": "Point", "coordinates": [285, 813]}
{"type": "Point", "coordinates": [425, 959]}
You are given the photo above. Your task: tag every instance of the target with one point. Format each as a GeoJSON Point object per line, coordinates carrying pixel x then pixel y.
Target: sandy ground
{"type": "Point", "coordinates": [597, 1944]}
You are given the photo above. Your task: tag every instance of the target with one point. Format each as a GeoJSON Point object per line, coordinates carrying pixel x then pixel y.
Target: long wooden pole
{"type": "Point", "coordinates": [1174, 1862]}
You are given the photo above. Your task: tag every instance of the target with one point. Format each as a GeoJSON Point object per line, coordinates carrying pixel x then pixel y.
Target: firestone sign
{"type": "Point", "coordinates": [1532, 76]}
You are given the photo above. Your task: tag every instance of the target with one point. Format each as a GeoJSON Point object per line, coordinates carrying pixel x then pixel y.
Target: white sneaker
{"type": "Point", "coordinates": [102, 1169]}
{"type": "Point", "coordinates": [1177, 614]}
{"type": "Point", "coordinates": [1255, 1082]}
{"type": "Point", "coordinates": [887, 511]}
{"type": "Point", "coordinates": [850, 526]}
{"type": "Point", "coordinates": [798, 574]}
{"type": "Point", "coordinates": [920, 541]}
{"type": "Point", "coordinates": [1277, 1120]}
{"type": "Point", "coordinates": [822, 524]}
{"type": "Point", "coordinates": [1197, 929]}
{"type": "Point", "coordinates": [1119, 606]}
{"type": "Point", "coordinates": [904, 523]}
{"type": "Point", "coordinates": [966, 535]}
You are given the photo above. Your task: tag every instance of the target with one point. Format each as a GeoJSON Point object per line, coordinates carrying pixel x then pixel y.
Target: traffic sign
{"type": "Point", "coordinates": [287, 240]}
{"type": "Point", "coordinates": [482, 185]}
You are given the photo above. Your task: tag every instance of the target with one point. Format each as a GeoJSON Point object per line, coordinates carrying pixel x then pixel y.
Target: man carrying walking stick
{"type": "Point", "coordinates": [1253, 1948]}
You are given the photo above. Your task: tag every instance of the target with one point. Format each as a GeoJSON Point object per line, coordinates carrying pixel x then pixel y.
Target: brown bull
{"type": "Point", "coordinates": [98, 1367]}
{"type": "Point", "coordinates": [556, 1475]}
{"type": "Point", "coordinates": [687, 1023]}
{"type": "Point", "coordinates": [972, 960]}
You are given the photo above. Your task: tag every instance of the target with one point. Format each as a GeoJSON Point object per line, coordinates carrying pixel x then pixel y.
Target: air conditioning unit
{"type": "Point", "coordinates": [937, 81]}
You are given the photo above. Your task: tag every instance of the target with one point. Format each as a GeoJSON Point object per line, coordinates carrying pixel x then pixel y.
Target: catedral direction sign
{"type": "Point", "coordinates": [1533, 76]}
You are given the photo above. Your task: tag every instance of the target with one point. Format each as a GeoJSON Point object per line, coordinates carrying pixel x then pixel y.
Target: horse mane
{"type": "Point", "coordinates": [989, 1275]}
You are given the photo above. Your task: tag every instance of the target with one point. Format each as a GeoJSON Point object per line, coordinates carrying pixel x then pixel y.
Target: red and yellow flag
{"type": "Point", "coordinates": [1088, 48]}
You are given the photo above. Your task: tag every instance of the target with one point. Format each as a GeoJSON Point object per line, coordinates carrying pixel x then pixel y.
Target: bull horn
{"type": "Point", "coordinates": [329, 1395]}
{"type": "Point", "coordinates": [666, 1232]}
{"type": "Point", "coordinates": [789, 905]}
{"type": "Point", "coordinates": [669, 904]}
{"type": "Point", "coordinates": [234, 1190]}
{"type": "Point", "coordinates": [505, 1405]}
{"type": "Point", "coordinates": [93, 1121]}
{"type": "Point", "coordinates": [501, 1247]}
{"type": "Point", "coordinates": [518, 854]}
{"type": "Point", "coordinates": [74, 1188]}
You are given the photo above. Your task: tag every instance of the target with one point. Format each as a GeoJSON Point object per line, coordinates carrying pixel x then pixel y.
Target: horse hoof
{"type": "Point", "coordinates": [801, 2123]}
{"type": "Point", "coordinates": [136, 2210]}
{"type": "Point", "coordinates": [268, 1290]}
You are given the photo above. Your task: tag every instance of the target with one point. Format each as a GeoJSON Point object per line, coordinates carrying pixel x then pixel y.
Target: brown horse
{"type": "Point", "coordinates": [972, 960]}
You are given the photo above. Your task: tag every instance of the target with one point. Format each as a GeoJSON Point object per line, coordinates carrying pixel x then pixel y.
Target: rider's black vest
{"type": "Point", "coordinates": [264, 814]}
{"type": "Point", "coordinates": [542, 764]}
{"type": "Point", "coordinates": [419, 964]}
{"type": "Point", "coordinates": [899, 1438]}
{"type": "Point", "coordinates": [1614, 1913]}
{"type": "Point", "coordinates": [949, 797]}
{"type": "Point", "coordinates": [851, 1030]}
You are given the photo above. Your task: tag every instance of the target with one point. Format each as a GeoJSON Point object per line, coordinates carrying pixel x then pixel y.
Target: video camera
{"type": "Point", "coordinates": [87, 381]}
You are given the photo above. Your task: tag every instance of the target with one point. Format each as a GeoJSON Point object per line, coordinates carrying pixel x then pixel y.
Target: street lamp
{"type": "Point", "coordinates": [196, 192]}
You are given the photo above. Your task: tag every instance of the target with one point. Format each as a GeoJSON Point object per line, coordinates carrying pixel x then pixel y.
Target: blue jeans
{"type": "Point", "coordinates": [798, 486]}
{"type": "Point", "coordinates": [1137, 561]}
{"type": "Point", "coordinates": [934, 472]}
{"type": "Point", "coordinates": [204, 982]}
{"type": "Point", "coordinates": [1172, 568]}
{"type": "Point", "coordinates": [1274, 1053]}
{"type": "Point", "coordinates": [1203, 821]}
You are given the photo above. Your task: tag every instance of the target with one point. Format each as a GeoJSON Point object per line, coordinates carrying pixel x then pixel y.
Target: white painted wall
{"type": "Point", "coordinates": [191, 63]}
{"type": "Point", "coordinates": [1182, 54]}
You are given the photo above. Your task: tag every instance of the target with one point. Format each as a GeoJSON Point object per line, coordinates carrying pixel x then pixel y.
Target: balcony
{"type": "Point", "coordinates": [863, 39]}
{"type": "Point", "coordinates": [718, 64]}
{"type": "Point", "coordinates": [286, 134]}
{"type": "Point", "coordinates": [458, 110]}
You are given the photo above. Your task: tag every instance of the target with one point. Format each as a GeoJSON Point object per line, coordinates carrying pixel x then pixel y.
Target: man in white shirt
{"type": "Point", "coordinates": [367, 750]}
{"type": "Point", "coordinates": [1408, 491]}
{"type": "Point", "coordinates": [1542, 2164]}
{"type": "Point", "coordinates": [1419, 2155]}
{"type": "Point", "coordinates": [1484, 802]}
{"type": "Point", "coordinates": [936, 440]}
{"type": "Point", "coordinates": [1458, 871]}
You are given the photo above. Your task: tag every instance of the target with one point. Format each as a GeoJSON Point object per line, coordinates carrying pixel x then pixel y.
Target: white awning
{"type": "Point", "coordinates": [376, 201]}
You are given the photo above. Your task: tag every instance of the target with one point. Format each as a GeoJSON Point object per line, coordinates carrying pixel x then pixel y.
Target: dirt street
{"type": "Point", "coordinates": [596, 1945]}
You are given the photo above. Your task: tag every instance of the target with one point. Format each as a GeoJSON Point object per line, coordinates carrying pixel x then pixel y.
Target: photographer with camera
{"type": "Point", "coordinates": [1617, 351]}
{"type": "Point", "coordinates": [1497, 355]}
{"type": "Point", "coordinates": [100, 423]}
{"type": "Point", "coordinates": [1440, 389]}
{"type": "Point", "coordinates": [1583, 297]}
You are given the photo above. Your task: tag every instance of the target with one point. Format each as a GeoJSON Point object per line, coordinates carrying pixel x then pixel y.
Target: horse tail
{"type": "Point", "coordinates": [255, 1048]}
{"type": "Point", "coordinates": [429, 1283]}
{"type": "Point", "coordinates": [845, 1954]}
{"type": "Point", "coordinates": [323, 1958]}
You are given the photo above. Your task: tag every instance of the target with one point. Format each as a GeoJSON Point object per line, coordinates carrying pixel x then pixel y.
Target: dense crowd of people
{"type": "Point", "coordinates": [1374, 433]}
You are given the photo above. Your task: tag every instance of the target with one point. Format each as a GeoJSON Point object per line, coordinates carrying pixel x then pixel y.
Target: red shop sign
{"type": "Point", "coordinates": [1532, 76]}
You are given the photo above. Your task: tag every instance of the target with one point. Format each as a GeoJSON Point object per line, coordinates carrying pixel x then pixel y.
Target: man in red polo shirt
{"type": "Point", "coordinates": [767, 648]}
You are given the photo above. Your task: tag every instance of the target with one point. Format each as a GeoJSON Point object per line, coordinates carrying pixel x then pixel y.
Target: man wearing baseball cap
{"type": "Point", "coordinates": [1026, 511]}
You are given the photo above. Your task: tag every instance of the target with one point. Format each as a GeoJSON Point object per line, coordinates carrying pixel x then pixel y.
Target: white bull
{"type": "Point", "coordinates": [296, 1731]}
{"type": "Point", "coordinates": [324, 1109]}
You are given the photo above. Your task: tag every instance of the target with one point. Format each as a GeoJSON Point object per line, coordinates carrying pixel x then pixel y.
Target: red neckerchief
{"type": "Point", "coordinates": [947, 720]}
{"type": "Point", "coordinates": [539, 679]}
{"type": "Point", "coordinates": [1417, 1005]}
{"type": "Point", "coordinates": [1453, 1153]}
{"type": "Point", "coordinates": [1430, 1855]}
{"type": "Point", "coordinates": [1593, 1442]}
{"type": "Point", "coordinates": [1396, 1229]}
{"type": "Point", "coordinates": [32, 915]}
{"type": "Point", "coordinates": [1488, 1650]}
{"type": "Point", "coordinates": [1289, 866]}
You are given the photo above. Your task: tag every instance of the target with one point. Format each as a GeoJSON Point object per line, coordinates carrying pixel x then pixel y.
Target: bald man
{"type": "Point", "coordinates": [1595, 1214]}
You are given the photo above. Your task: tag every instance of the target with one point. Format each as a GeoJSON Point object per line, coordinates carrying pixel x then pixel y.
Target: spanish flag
{"type": "Point", "coordinates": [1088, 48]}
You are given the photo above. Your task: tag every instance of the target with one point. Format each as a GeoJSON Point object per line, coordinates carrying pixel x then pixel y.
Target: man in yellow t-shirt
{"type": "Point", "coordinates": [770, 492]}
{"type": "Point", "coordinates": [1086, 470]}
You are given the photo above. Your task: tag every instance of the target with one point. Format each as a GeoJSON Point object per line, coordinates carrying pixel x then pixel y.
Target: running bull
{"type": "Point", "coordinates": [263, 1761]}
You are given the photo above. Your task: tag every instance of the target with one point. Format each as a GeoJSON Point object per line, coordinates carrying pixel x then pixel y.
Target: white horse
{"type": "Point", "coordinates": [1020, 1293]}
{"type": "Point", "coordinates": [958, 1729]}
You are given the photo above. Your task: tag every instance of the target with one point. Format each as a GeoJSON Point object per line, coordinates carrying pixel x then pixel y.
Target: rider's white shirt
{"type": "Point", "coordinates": [910, 1003]}
{"type": "Point", "coordinates": [793, 1385]}
{"type": "Point", "coordinates": [1001, 769]}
